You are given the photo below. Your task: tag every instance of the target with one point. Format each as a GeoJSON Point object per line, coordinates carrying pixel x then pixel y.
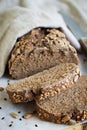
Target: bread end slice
{"type": "Point", "coordinates": [67, 104]}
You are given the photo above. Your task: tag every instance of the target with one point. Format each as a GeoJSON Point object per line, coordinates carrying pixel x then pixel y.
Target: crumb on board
{"type": "Point", "coordinates": [1, 89]}
{"type": "Point", "coordinates": [12, 122]}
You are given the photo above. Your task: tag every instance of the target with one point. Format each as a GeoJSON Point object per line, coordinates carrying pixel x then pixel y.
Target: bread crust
{"type": "Point", "coordinates": [78, 111]}
{"type": "Point", "coordinates": [38, 50]}
{"type": "Point", "coordinates": [61, 118]}
{"type": "Point", "coordinates": [26, 89]}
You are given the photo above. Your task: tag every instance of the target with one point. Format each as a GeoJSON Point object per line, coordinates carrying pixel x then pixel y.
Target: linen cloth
{"type": "Point", "coordinates": [17, 17]}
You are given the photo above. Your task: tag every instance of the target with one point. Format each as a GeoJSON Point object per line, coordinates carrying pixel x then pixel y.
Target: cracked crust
{"type": "Point", "coordinates": [38, 50]}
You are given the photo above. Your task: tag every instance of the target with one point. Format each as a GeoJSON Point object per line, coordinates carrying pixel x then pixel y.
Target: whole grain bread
{"type": "Point", "coordinates": [64, 105]}
{"type": "Point", "coordinates": [38, 50]}
{"type": "Point", "coordinates": [60, 75]}
{"type": "Point", "coordinates": [78, 126]}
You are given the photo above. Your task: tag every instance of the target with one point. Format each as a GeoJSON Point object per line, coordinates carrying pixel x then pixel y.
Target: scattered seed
{"type": "Point", "coordinates": [0, 107]}
{"type": "Point", "coordinates": [19, 111]}
{"type": "Point", "coordinates": [10, 125]}
{"type": "Point", "coordinates": [5, 99]}
{"type": "Point", "coordinates": [8, 83]}
{"type": "Point", "coordinates": [27, 116]}
{"type": "Point", "coordinates": [14, 115]}
{"type": "Point", "coordinates": [20, 119]}
{"type": "Point", "coordinates": [36, 125]}
{"type": "Point", "coordinates": [2, 118]}
{"type": "Point", "coordinates": [1, 89]}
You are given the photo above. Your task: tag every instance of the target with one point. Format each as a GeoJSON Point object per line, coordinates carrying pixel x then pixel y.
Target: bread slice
{"type": "Point", "coordinates": [78, 126]}
{"type": "Point", "coordinates": [60, 75]}
{"type": "Point", "coordinates": [64, 105]}
{"type": "Point", "coordinates": [38, 50]}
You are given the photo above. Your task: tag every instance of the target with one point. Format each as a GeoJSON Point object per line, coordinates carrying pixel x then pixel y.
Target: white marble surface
{"type": "Point", "coordinates": [27, 124]}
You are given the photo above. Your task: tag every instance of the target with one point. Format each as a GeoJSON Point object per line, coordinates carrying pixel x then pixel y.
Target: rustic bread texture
{"type": "Point", "coordinates": [64, 105]}
{"type": "Point", "coordinates": [38, 50]}
{"type": "Point", "coordinates": [61, 75]}
{"type": "Point", "coordinates": [78, 126]}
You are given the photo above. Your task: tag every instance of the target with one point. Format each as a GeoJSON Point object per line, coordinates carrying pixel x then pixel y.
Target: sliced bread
{"type": "Point", "coordinates": [38, 50]}
{"type": "Point", "coordinates": [61, 75]}
{"type": "Point", "coordinates": [64, 105]}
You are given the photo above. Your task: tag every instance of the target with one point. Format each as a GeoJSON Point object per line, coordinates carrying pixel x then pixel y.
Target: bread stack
{"type": "Point", "coordinates": [54, 82]}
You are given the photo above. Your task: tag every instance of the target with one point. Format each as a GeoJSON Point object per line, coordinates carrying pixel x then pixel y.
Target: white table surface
{"type": "Point", "coordinates": [27, 124]}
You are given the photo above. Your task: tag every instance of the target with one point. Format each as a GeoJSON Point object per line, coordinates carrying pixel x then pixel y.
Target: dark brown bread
{"type": "Point", "coordinates": [64, 105]}
{"type": "Point", "coordinates": [61, 75]}
{"type": "Point", "coordinates": [78, 126]}
{"type": "Point", "coordinates": [38, 50]}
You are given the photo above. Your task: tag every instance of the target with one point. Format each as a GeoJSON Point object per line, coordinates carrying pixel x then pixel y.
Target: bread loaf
{"type": "Point", "coordinates": [38, 50]}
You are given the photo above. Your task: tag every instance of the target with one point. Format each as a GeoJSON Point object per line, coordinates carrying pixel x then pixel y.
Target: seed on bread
{"type": "Point", "coordinates": [76, 78]}
{"type": "Point", "coordinates": [18, 98]}
{"type": "Point", "coordinates": [65, 119]}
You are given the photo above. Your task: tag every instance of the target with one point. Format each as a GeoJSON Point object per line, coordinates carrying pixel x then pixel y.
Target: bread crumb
{"type": "Point", "coordinates": [1, 89]}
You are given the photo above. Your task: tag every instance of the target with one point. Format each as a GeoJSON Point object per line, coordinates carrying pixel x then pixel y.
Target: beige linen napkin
{"type": "Point", "coordinates": [76, 8]}
{"type": "Point", "coordinates": [17, 21]}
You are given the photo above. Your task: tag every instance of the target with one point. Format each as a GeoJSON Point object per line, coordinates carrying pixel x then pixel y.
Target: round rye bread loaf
{"type": "Point", "coordinates": [38, 50]}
